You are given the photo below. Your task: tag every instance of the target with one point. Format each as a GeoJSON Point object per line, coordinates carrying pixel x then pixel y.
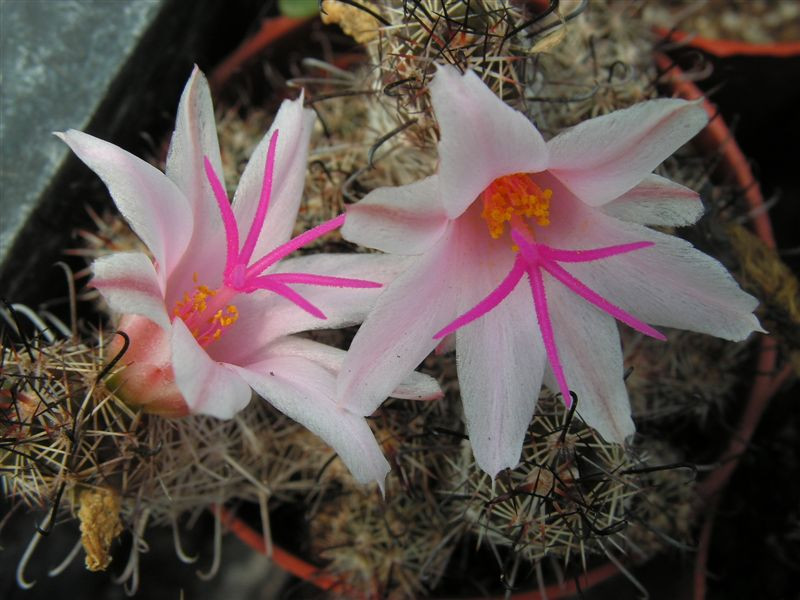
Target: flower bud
{"type": "Point", "coordinates": [146, 380]}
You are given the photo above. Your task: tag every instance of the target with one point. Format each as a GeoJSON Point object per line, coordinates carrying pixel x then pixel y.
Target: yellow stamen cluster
{"type": "Point", "coordinates": [196, 303]}
{"type": "Point", "coordinates": [514, 195]}
{"type": "Point", "coordinates": [222, 320]}
{"type": "Point", "coordinates": [191, 310]}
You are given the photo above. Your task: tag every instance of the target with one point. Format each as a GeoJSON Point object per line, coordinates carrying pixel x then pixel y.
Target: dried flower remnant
{"type": "Point", "coordinates": [211, 317]}
{"type": "Point", "coordinates": [100, 525]}
{"type": "Point", "coordinates": [569, 217]}
{"type": "Point", "coordinates": [355, 22]}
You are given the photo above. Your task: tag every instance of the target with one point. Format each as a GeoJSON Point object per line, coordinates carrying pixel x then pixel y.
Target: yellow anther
{"type": "Point", "coordinates": [204, 316]}
{"type": "Point", "coordinates": [233, 313]}
{"type": "Point", "coordinates": [514, 195]}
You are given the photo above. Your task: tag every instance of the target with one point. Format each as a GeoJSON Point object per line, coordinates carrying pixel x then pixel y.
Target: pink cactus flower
{"type": "Point", "coordinates": [526, 252]}
{"type": "Point", "coordinates": [212, 316]}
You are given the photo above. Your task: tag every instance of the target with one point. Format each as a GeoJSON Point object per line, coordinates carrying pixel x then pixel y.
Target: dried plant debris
{"type": "Point", "coordinates": [100, 525]}
{"type": "Point", "coordinates": [358, 23]}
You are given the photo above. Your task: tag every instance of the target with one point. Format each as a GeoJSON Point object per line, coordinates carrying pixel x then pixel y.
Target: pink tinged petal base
{"type": "Point", "coordinates": [130, 285]}
{"type": "Point", "coordinates": [147, 380]}
{"type": "Point", "coordinates": [208, 387]}
{"type": "Point", "coordinates": [303, 390]}
{"type": "Point", "coordinates": [491, 301]}
{"type": "Point", "coordinates": [603, 158]}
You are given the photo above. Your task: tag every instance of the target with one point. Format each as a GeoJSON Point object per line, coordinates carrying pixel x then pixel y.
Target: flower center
{"type": "Point", "coordinates": [513, 196]}
{"type": "Point", "coordinates": [206, 312]}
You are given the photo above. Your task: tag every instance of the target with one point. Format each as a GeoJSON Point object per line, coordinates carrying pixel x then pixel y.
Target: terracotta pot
{"type": "Point", "coordinates": [725, 48]}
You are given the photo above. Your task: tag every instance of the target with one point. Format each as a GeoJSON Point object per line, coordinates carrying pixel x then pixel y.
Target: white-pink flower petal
{"type": "Point", "coordinates": [303, 390]}
{"type": "Point", "coordinates": [208, 387]}
{"type": "Point", "coordinates": [417, 386]}
{"type": "Point", "coordinates": [670, 284]}
{"type": "Point", "coordinates": [602, 158]}
{"type": "Point", "coordinates": [501, 362]}
{"type": "Point", "coordinates": [149, 201]}
{"type": "Point", "coordinates": [482, 138]}
{"type": "Point", "coordinates": [129, 283]}
{"type": "Point", "coordinates": [404, 220]}
{"type": "Point", "coordinates": [195, 138]}
{"type": "Point", "coordinates": [589, 348]}
{"type": "Point", "coordinates": [294, 125]}
{"type": "Point", "coordinates": [203, 317]}
{"type": "Point", "coordinates": [342, 306]}
{"type": "Point", "coordinates": [657, 201]}
{"type": "Point", "coordinates": [398, 334]}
